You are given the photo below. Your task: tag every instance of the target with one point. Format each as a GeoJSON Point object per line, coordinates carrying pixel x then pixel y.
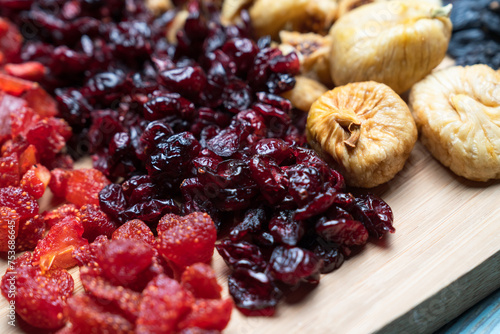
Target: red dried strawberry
{"type": "Point", "coordinates": [18, 199]}
{"type": "Point", "coordinates": [49, 137]}
{"type": "Point", "coordinates": [22, 121]}
{"type": "Point", "coordinates": [10, 42]}
{"type": "Point", "coordinates": [30, 232]}
{"type": "Point", "coordinates": [9, 171]}
{"type": "Point", "coordinates": [15, 86]}
{"type": "Point", "coordinates": [38, 99]}
{"type": "Point", "coordinates": [56, 249]}
{"type": "Point", "coordinates": [86, 255]}
{"type": "Point", "coordinates": [201, 281]}
{"type": "Point", "coordinates": [135, 229]}
{"type": "Point", "coordinates": [55, 216]}
{"type": "Point", "coordinates": [212, 314]}
{"type": "Point", "coordinates": [95, 222]}
{"type": "Point", "coordinates": [88, 316]}
{"type": "Point", "coordinates": [59, 181]}
{"type": "Point", "coordinates": [9, 226]}
{"type": "Point", "coordinates": [84, 185]}
{"type": "Point", "coordinates": [122, 261]}
{"type": "Point", "coordinates": [187, 240]}
{"type": "Point", "coordinates": [30, 70]}
{"type": "Point", "coordinates": [35, 181]}
{"type": "Point", "coordinates": [170, 302]}
{"type": "Point", "coordinates": [39, 298]}
{"type": "Point", "coordinates": [126, 300]}
{"type": "Point", "coordinates": [27, 159]}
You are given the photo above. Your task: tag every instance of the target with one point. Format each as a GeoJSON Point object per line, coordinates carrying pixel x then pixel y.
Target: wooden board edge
{"type": "Point", "coordinates": [448, 303]}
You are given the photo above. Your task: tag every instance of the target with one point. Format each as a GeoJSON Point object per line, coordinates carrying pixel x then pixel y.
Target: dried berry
{"type": "Point", "coordinates": [95, 222]}
{"type": "Point", "coordinates": [9, 226]}
{"type": "Point", "coordinates": [84, 185]}
{"type": "Point", "coordinates": [210, 314]}
{"type": "Point", "coordinates": [135, 230]}
{"type": "Point", "coordinates": [200, 280]}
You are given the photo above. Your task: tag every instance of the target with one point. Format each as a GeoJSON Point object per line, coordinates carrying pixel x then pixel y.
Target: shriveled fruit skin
{"type": "Point", "coordinates": [348, 5]}
{"type": "Point", "coordinates": [305, 92]}
{"type": "Point", "coordinates": [457, 111]}
{"type": "Point", "coordinates": [394, 42]}
{"type": "Point", "coordinates": [365, 129]}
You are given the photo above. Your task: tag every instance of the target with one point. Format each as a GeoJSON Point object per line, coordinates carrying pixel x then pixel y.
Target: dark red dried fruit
{"type": "Point", "coordinates": [187, 240]}
{"type": "Point", "coordinates": [211, 314]}
{"type": "Point", "coordinates": [253, 221]}
{"type": "Point", "coordinates": [200, 280]}
{"type": "Point", "coordinates": [136, 230]}
{"type": "Point", "coordinates": [241, 255]}
{"type": "Point", "coordinates": [170, 301]}
{"type": "Point", "coordinates": [375, 214]}
{"type": "Point", "coordinates": [342, 231]}
{"type": "Point", "coordinates": [86, 315]}
{"type": "Point", "coordinates": [285, 229]}
{"type": "Point", "coordinates": [292, 265]}
{"type": "Point", "coordinates": [30, 232]}
{"type": "Point", "coordinates": [254, 293]}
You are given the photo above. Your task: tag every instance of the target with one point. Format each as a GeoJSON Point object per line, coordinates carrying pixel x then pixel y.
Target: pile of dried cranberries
{"type": "Point", "coordinates": [190, 141]}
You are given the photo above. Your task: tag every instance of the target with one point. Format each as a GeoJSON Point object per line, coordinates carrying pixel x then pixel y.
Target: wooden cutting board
{"type": "Point", "coordinates": [443, 258]}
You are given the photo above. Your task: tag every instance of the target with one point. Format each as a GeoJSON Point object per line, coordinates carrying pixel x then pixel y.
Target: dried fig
{"type": "Point", "coordinates": [348, 5]}
{"type": "Point", "coordinates": [305, 92]}
{"type": "Point", "coordinates": [393, 42]}
{"type": "Point", "coordinates": [159, 6]}
{"type": "Point", "coordinates": [271, 16]}
{"type": "Point", "coordinates": [313, 51]}
{"type": "Point", "coordinates": [231, 9]}
{"type": "Point", "coordinates": [364, 129]}
{"type": "Point", "coordinates": [457, 111]}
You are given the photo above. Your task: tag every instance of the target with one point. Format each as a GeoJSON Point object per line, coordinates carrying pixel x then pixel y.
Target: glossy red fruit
{"type": "Point", "coordinates": [84, 185]}
{"type": "Point", "coordinates": [9, 171]}
{"type": "Point", "coordinates": [9, 226]}
{"type": "Point", "coordinates": [95, 222]}
{"type": "Point", "coordinates": [31, 230]}
{"type": "Point", "coordinates": [15, 86]}
{"type": "Point", "coordinates": [294, 264]}
{"type": "Point", "coordinates": [170, 301]}
{"type": "Point", "coordinates": [126, 300]}
{"type": "Point", "coordinates": [31, 70]}
{"type": "Point", "coordinates": [35, 181]}
{"type": "Point", "coordinates": [200, 279]}
{"type": "Point", "coordinates": [187, 240]}
{"type": "Point", "coordinates": [56, 248]}
{"type": "Point", "coordinates": [342, 231]}
{"type": "Point", "coordinates": [59, 181]}
{"type": "Point", "coordinates": [10, 42]}
{"type": "Point", "coordinates": [55, 216]}
{"type": "Point", "coordinates": [122, 261]}
{"type": "Point", "coordinates": [211, 314]}
{"type": "Point", "coordinates": [87, 255]}
{"type": "Point", "coordinates": [19, 200]}
{"type": "Point", "coordinates": [136, 230]}
{"type": "Point", "coordinates": [39, 298]}
{"type": "Point", "coordinates": [27, 159]}
{"type": "Point", "coordinates": [88, 316]}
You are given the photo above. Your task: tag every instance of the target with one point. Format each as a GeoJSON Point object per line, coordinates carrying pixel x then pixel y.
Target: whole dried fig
{"type": "Point", "coordinates": [457, 111]}
{"type": "Point", "coordinates": [348, 5]}
{"type": "Point", "coordinates": [393, 42]}
{"type": "Point", "coordinates": [304, 93]}
{"type": "Point", "coordinates": [364, 129]}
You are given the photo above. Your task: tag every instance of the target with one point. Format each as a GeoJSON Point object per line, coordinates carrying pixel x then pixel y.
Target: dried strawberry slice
{"type": "Point", "coordinates": [55, 216]}
{"type": "Point", "coordinates": [30, 232]}
{"type": "Point", "coordinates": [95, 222]}
{"type": "Point", "coordinates": [84, 185]}
{"type": "Point", "coordinates": [9, 171]}
{"type": "Point", "coordinates": [88, 316]}
{"type": "Point", "coordinates": [18, 199]}
{"type": "Point", "coordinates": [187, 240]}
{"type": "Point", "coordinates": [10, 42]}
{"type": "Point", "coordinates": [9, 226]}
{"type": "Point", "coordinates": [22, 121]}
{"type": "Point", "coordinates": [55, 250]}
{"type": "Point", "coordinates": [59, 181]}
{"type": "Point", "coordinates": [35, 181]}
{"type": "Point", "coordinates": [201, 281]}
{"type": "Point", "coordinates": [49, 137]}
{"type": "Point", "coordinates": [39, 297]}
{"type": "Point", "coordinates": [87, 255]}
{"type": "Point", "coordinates": [135, 229]}
{"type": "Point", "coordinates": [15, 86]}
{"type": "Point", "coordinates": [122, 261]}
{"type": "Point", "coordinates": [27, 159]}
{"type": "Point", "coordinates": [170, 302]}
{"type": "Point", "coordinates": [212, 314]}
{"type": "Point", "coordinates": [126, 300]}
{"type": "Point", "coordinates": [30, 70]}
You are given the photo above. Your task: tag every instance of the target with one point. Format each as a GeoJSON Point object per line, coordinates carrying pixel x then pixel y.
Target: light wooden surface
{"type": "Point", "coordinates": [444, 257]}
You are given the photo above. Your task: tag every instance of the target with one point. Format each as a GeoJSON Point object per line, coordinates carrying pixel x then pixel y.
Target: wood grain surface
{"type": "Point", "coordinates": [443, 258]}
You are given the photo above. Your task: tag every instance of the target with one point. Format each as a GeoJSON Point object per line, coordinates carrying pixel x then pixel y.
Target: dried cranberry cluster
{"type": "Point", "coordinates": [199, 125]}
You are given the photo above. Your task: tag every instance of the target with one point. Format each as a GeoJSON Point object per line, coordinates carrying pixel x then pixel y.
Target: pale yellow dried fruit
{"type": "Point", "coordinates": [159, 6]}
{"type": "Point", "coordinates": [457, 111]}
{"type": "Point", "coordinates": [348, 5]}
{"type": "Point", "coordinates": [313, 51]}
{"type": "Point", "coordinates": [269, 17]}
{"type": "Point", "coordinates": [393, 42]}
{"type": "Point", "coordinates": [231, 9]}
{"type": "Point", "coordinates": [364, 129]}
{"type": "Point", "coordinates": [305, 92]}
{"type": "Point", "coordinates": [176, 25]}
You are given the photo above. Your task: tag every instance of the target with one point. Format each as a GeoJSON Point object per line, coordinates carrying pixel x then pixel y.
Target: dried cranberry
{"type": "Point", "coordinates": [292, 265]}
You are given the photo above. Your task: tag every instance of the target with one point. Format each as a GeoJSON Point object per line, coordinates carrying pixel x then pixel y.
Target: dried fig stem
{"type": "Point", "coordinates": [354, 129]}
{"type": "Point", "coordinates": [442, 11]}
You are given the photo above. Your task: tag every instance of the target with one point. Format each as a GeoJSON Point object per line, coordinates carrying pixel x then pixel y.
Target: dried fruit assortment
{"type": "Point", "coordinates": [190, 141]}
